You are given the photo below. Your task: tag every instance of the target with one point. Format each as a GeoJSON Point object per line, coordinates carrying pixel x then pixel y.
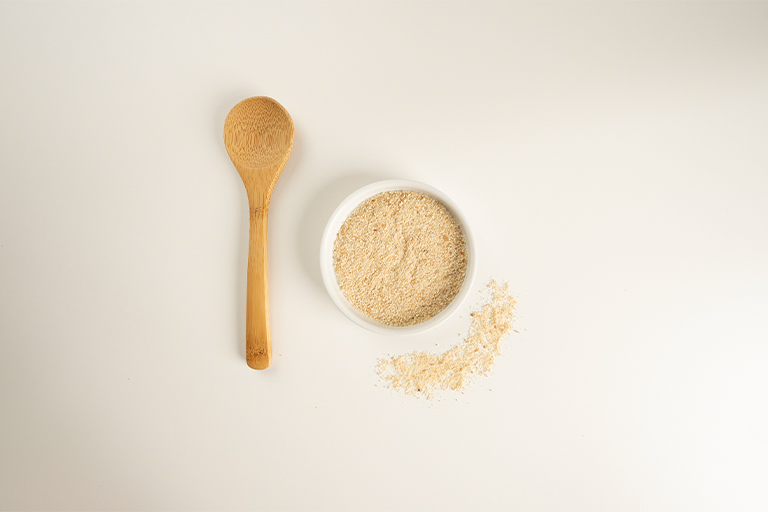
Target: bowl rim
{"type": "Point", "coordinates": [345, 208]}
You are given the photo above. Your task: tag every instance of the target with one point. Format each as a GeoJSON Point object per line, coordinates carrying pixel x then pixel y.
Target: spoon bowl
{"type": "Point", "coordinates": [258, 135]}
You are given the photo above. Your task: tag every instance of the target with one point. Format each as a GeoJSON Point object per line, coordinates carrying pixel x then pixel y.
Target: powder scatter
{"type": "Point", "coordinates": [422, 374]}
{"type": "Point", "coordinates": [400, 258]}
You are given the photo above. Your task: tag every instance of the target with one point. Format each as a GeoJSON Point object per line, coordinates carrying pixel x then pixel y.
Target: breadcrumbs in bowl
{"type": "Point", "coordinates": [397, 257]}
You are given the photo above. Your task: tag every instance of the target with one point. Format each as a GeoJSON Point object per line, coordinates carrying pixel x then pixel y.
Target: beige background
{"type": "Point", "coordinates": [612, 159]}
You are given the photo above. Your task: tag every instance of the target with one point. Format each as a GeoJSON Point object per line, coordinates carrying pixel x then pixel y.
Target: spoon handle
{"type": "Point", "coordinates": [258, 347]}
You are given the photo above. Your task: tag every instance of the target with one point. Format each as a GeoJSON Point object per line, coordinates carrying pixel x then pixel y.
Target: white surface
{"type": "Point", "coordinates": [612, 158]}
{"type": "Point", "coordinates": [328, 271]}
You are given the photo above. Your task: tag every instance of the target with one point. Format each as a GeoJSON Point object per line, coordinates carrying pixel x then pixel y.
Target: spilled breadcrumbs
{"type": "Point", "coordinates": [422, 374]}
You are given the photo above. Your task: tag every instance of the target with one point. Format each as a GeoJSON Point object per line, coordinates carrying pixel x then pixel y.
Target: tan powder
{"type": "Point", "coordinates": [400, 258]}
{"type": "Point", "coordinates": [424, 373]}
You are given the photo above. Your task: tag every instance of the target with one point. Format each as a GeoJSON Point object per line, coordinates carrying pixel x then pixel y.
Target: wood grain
{"type": "Point", "coordinates": [258, 135]}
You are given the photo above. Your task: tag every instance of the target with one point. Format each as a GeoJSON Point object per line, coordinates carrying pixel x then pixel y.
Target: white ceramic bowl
{"type": "Point", "coordinates": [329, 274]}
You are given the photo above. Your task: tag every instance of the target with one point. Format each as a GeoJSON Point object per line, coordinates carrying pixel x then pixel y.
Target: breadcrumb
{"type": "Point", "coordinates": [422, 374]}
{"type": "Point", "coordinates": [400, 258]}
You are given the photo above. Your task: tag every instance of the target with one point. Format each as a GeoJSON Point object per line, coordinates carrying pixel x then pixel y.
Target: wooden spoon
{"type": "Point", "coordinates": [258, 134]}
